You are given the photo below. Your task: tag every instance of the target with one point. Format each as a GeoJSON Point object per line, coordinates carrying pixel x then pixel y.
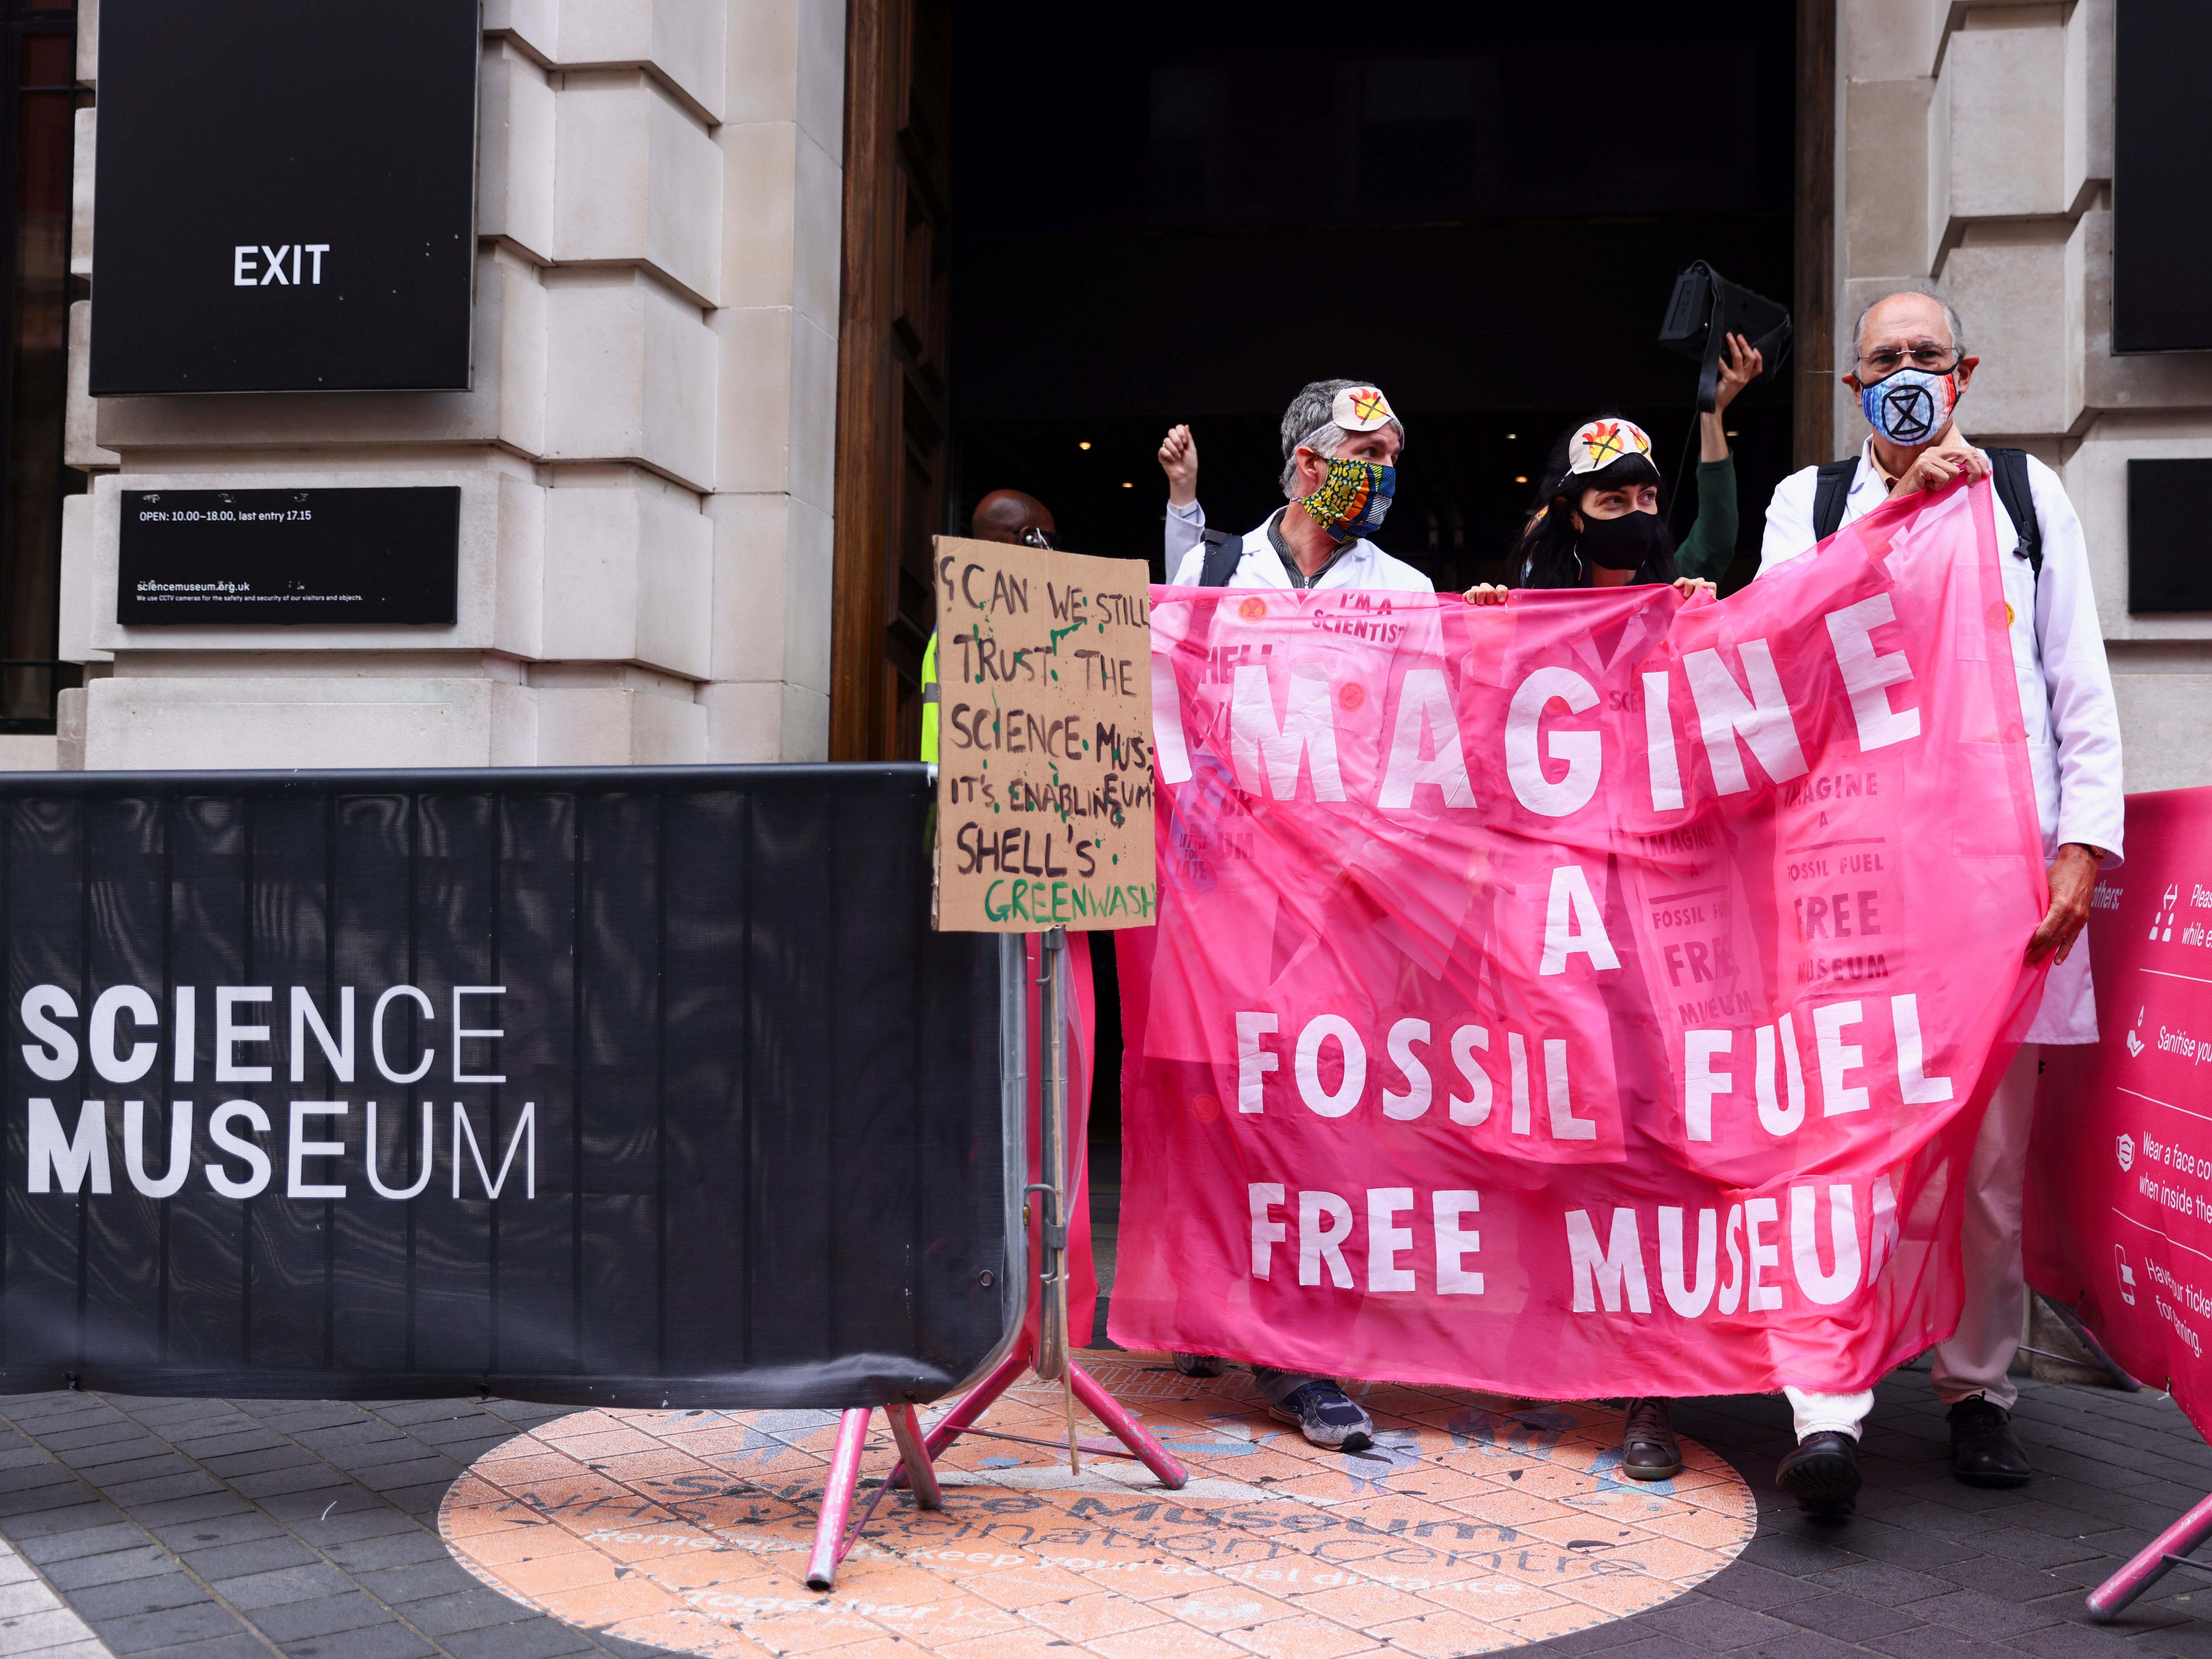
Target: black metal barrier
{"type": "Point", "coordinates": [619, 1087]}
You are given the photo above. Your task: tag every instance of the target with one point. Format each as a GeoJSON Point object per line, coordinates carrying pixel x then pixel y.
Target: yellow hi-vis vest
{"type": "Point", "coordinates": [929, 702]}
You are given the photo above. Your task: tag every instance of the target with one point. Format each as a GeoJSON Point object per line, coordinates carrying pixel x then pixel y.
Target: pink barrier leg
{"type": "Point", "coordinates": [1130, 1432]}
{"type": "Point", "coordinates": [837, 1500]}
{"type": "Point", "coordinates": [2150, 1564]}
{"type": "Point", "coordinates": [978, 1400]}
{"type": "Point", "coordinates": [914, 1458]}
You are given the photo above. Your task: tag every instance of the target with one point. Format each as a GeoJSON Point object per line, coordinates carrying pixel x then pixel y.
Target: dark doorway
{"type": "Point", "coordinates": [1483, 211]}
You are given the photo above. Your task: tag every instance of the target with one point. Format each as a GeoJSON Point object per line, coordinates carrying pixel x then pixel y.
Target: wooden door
{"type": "Point", "coordinates": [892, 437]}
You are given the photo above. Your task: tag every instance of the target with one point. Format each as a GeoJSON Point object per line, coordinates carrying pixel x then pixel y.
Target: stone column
{"type": "Point", "coordinates": [1977, 146]}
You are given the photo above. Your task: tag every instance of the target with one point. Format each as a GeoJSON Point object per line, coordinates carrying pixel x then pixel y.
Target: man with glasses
{"type": "Point", "coordinates": [1912, 370]}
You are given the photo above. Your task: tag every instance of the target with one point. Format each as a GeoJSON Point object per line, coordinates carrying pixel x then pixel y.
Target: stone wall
{"type": "Point", "coordinates": [645, 457]}
{"type": "Point", "coordinates": [1975, 158]}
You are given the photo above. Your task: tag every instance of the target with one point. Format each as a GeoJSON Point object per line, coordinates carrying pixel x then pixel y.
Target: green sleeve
{"type": "Point", "coordinates": [1710, 548]}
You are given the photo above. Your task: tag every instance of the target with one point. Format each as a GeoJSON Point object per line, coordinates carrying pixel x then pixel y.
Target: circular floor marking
{"type": "Point", "coordinates": [1475, 1524]}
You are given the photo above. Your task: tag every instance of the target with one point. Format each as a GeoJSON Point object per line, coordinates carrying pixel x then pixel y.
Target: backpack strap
{"type": "Point", "coordinates": [1831, 488]}
{"type": "Point", "coordinates": [2008, 468]}
{"type": "Point", "coordinates": [1223, 554]}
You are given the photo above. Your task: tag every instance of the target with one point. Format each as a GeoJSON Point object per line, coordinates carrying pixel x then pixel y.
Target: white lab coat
{"type": "Point", "coordinates": [2065, 687]}
{"type": "Point", "coordinates": [1361, 565]}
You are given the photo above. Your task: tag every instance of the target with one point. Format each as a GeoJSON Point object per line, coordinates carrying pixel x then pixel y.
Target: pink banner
{"type": "Point", "coordinates": [1590, 996]}
{"type": "Point", "coordinates": [2119, 1191]}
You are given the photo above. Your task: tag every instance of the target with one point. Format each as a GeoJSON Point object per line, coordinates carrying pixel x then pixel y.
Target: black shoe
{"type": "Point", "coordinates": [1822, 1473]}
{"type": "Point", "coordinates": [1649, 1450]}
{"type": "Point", "coordinates": [1328, 1416]}
{"type": "Point", "coordinates": [1200, 1364]}
{"type": "Point", "coordinates": [1984, 1452]}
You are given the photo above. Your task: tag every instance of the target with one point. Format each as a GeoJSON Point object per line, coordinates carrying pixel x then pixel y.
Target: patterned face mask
{"type": "Point", "coordinates": [1910, 406]}
{"type": "Point", "coordinates": [1352, 499]}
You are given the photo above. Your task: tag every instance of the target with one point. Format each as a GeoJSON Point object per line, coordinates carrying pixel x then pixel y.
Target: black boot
{"type": "Point", "coordinates": [1822, 1473]}
{"type": "Point", "coordinates": [1649, 1450]}
{"type": "Point", "coordinates": [1984, 1452]}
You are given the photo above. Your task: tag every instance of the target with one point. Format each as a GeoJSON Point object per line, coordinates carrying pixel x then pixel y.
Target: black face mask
{"type": "Point", "coordinates": [1627, 543]}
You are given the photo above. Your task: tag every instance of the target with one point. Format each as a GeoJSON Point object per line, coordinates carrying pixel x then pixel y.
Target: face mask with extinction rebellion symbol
{"type": "Point", "coordinates": [1911, 406]}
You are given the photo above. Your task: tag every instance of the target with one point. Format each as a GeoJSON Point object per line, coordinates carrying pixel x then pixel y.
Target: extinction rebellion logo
{"type": "Point", "coordinates": [254, 1138]}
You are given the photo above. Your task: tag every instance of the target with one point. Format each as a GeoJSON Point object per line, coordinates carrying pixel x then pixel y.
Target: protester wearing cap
{"type": "Point", "coordinates": [1340, 441]}
{"type": "Point", "coordinates": [1340, 444]}
{"type": "Point", "coordinates": [1598, 522]}
{"type": "Point", "coordinates": [1911, 371]}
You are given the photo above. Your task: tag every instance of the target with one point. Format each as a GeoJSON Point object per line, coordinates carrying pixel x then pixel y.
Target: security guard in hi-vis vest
{"type": "Point", "coordinates": [1003, 515]}
{"type": "Point", "coordinates": [929, 702]}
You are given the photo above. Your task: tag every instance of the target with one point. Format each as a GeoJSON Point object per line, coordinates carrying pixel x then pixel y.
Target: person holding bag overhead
{"type": "Point", "coordinates": [1599, 519]}
{"type": "Point", "coordinates": [1600, 522]}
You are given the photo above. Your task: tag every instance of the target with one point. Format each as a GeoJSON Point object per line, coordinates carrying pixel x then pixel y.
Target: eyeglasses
{"type": "Point", "coordinates": [1035, 538]}
{"type": "Point", "coordinates": [1930, 359]}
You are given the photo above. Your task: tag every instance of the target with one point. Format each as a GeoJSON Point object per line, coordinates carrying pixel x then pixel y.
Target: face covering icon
{"type": "Point", "coordinates": [1352, 498]}
{"type": "Point", "coordinates": [1910, 406]}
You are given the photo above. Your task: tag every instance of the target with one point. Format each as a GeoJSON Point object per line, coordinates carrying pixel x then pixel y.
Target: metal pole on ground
{"type": "Point", "coordinates": [2169, 1550]}
{"type": "Point", "coordinates": [837, 1528]}
{"type": "Point", "coordinates": [1052, 1355]}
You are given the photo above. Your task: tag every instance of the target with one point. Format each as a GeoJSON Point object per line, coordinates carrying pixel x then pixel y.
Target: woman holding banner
{"type": "Point", "coordinates": [1599, 519]}
{"type": "Point", "coordinates": [1599, 524]}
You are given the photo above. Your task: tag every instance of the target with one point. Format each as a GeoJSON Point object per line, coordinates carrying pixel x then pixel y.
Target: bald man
{"type": "Point", "coordinates": [1003, 515]}
{"type": "Point", "coordinates": [1008, 515]}
{"type": "Point", "coordinates": [1912, 369]}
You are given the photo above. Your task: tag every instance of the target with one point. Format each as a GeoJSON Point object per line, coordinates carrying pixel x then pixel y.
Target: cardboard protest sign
{"type": "Point", "coordinates": [1044, 782]}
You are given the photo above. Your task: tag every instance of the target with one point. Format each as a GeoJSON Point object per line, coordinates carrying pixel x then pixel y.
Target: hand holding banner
{"type": "Point", "coordinates": [1587, 996]}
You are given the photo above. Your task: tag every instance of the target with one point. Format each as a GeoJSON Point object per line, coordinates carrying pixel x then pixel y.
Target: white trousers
{"type": "Point", "coordinates": [1977, 1358]}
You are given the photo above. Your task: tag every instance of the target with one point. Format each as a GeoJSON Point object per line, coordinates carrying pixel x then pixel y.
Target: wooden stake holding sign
{"type": "Point", "coordinates": [1044, 812]}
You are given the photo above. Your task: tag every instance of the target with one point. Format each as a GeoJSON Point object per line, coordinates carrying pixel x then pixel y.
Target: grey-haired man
{"type": "Point", "coordinates": [1912, 369]}
{"type": "Point", "coordinates": [1340, 445]}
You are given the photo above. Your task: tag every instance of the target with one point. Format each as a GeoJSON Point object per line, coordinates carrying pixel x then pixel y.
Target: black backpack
{"type": "Point", "coordinates": [2009, 471]}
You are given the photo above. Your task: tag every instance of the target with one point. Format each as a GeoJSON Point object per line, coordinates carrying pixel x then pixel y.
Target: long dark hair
{"type": "Point", "coordinates": [1544, 554]}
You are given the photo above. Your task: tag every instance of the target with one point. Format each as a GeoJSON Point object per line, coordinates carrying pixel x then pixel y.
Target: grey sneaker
{"type": "Point", "coordinates": [1649, 1450]}
{"type": "Point", "coordinates": [1327, 1416]}
{"type": "Point", "coordinates": [1200, 1364]}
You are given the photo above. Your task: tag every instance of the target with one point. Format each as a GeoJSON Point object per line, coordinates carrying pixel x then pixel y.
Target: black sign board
{"type": "Point", "coordinates": [2161, 192]}
{"type": "Point", "coordinates": [286, 196]}
{"type": "Point", "coordinates": [629, 1087]}
{"type": "Point", "coordinates": [2167, 569]}
{"type": "Point", "coordinates": [222, 556]}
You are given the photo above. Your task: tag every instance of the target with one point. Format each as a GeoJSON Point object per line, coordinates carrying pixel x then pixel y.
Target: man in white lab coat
{"type": "Point", "coordinates": [1912, 370]}
{"type": "Point", "coordinates": [1340, 444]}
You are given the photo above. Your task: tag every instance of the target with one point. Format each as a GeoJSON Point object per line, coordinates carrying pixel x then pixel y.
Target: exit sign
{"type": "Point", "coordinates": [286, 194]}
